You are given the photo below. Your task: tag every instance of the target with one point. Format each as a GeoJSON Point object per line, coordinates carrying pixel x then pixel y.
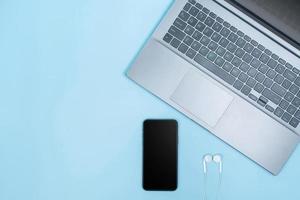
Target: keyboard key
{"type": "Point", "coordinates": [213, 46]}
{"type": "Point", "coordinates": [192, 21]}
{"type": "Point", "coordinates": [175, 43]}
{"type": "Point", "coordinates": [254, 43]}
{"type": "Point", "coordinates": [217, 27]}
{"type": "Point", "coordinates": [247, 38]}
{"type": "Point", "coordinates": [289, 66]}
{"type": "Point", "coordinates": [212, 15]}
{"type": "Point", "coordinates": [199, 6]}
{"type": "Point", "coordinates": [251, 96]}
{"type": "Point", "coordinates": [284, 104]}
{"type": "Point", "coordinates": [240, 33]}
{"type": "Point", "coordinates": [278, 90]}
{"type": "Point", "coordinates": [246, 90]}
{"type": "Point", "coordinates": [227, 67]}
{"type": "Point", "coordinates": [295, 70]}
{"type": "Point", "coordinates": [260, 77]}
{"type": "Point", "coordinates": [194, 11]}
{"type": "Point", "coordinates": [256, 53]}
{"type": "Point", "coordinates": [269, 108]}
{"type": "Point", "coordinates": [267, 82]}
{"type": "Point", "coordinates": [208, 32]}
{"type": "Point", "coordinates": [236, 61]}
{"type": "Point", "coordinates": [233, 37]}
{"type": "Point", "coordinates": [231, 47]}
{"type": "Point", "coordinates": [224, 42]}
{"type": "Point", "coordinates": [261, 47]}
{"type": "Point", "coordinates": [264, 58]}
{"type": "Point", "coordinates": [214, 69]}
{"type": "Point", "coordinates": [220, 20]}
{"type": "Point", "coordinates": [248, 48]}
{"type": "Point", "coordinates": [211, 56]}
{"type": "Point", "coordinates": [220, 61]}
{"type": "Point", "coordinates": [200, 26]}
{"type": "Point", "coordinates": [228, 56]}
{"type": "Point", "coordinates": [294, 89]}
{"type": "Point", "coordinates": [226, 24]}
{"type": "Point", "coordinates": [183, 48]}
{"type": "Point", "coordinates": [263, 68]}
{"type": "Point", "coordinates": [197, 35]}
{"type": "Point", "coordinates": [221, 51]}
{"type": "Point", "coordinates": [278, 112]}
{"type": "Point", "coordinates": [297, 114]}
{"type": "Point", "coordinates": [296, 102]}
{"type": "Point", "coordinates": [251, 82]}
{"type": "Point", "coordinates": [297, 81]}
{"type": "Point", "coordinates": [216, 37]}
{"type": "Point", "coordinates": [201, 16]}
{"type": "Point", "coordinates": [271, 96]}
{"type": "Point", "coordinates": [205, 40]}
{"type": "Point", "coordinates": [225, 32]}
{"type": "Point", "coordinates": [240, 43]}
{"type": "Point", "coordinates": [180, 24]}
{"type": "Point", "coordinates": [271, 74]}
{"type": "Point", "coordinates": [279, 79]}
{"type": "Point", "coordinates": [294, 122]}
{"type": "Point", "coordinates": [167, 38]}
{"type": "Point", "coordinates": [191, 53]}
{"type": "Point", "coordinates": [255, 63]}
{"type": "Point", "coordinates": [286, 84]}
{"type": "Point", "coordinates": [176, 33]}
{"type": "Point", "coordinates": [268, 52]}
{"type": "Point", "coordinates": [192, 1]}
{"type": "Point", "coordinates": [290, 75]}
{"type": "Point", "coordinates": [280, 69]}
{"type": "Point", "coordinates": [286, 117]}
{"type": "Point", "coordinates": [247, 58]}
{"type": "Point", "coordinates": [205, 10]}
{"type": "Point", "coordinates": [184, 16]}
{"type": "Point", "coordinates": [209, 21]}
{"type": "Point", "coordinates": [243, 77]}
{"type": "Point", "coordinates": [187, 6]}
{"type": "Point", "coordinates": [188, 40]}
{"type": "Point", "coordinates": [291, 109]}
{"type": "Point", "coordinates": [272, 63]}
{"type": "Point", "coordinates": [238, 85]}
{"type": "Point", "coordinates": [259, 88]}
{"type": "Point", "coordinates": [196, 46]}
{"type": "Point", "coordinates": [289, 97]}
{"type": "Point", "coordinates": [239, 53]}
{"type": "Point", "coordinates": [252, 72]}
{"type": "Point", "coordinates": [274, 56]}
{"type": "Point", "coordinates": [244, 67]}
{"type": "Point", "coordinates": [235, 72]}
{"type": "Point", "coordinates": [204, 51]}
{"type": "Point", "coordinates": [189, 30]}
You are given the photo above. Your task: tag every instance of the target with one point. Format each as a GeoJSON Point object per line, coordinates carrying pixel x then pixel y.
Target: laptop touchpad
{"type": "Point", "coordinates": [201, 98]}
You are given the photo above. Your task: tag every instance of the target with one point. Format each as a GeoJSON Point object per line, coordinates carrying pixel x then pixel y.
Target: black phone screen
{"type": "Point", "coordinates": [160, 155]}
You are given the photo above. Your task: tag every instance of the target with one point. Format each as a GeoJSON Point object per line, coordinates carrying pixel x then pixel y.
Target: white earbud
{"type": "Point", "coordinates": [217, 158]}
{"type": "Point", "coordinates": [206, 159]}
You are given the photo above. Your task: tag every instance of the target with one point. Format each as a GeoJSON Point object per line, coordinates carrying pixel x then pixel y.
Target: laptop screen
{"type": "Point", "coordinates": [281, 15]}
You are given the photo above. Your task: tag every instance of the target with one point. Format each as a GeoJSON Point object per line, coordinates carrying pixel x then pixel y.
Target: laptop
{"type": "Point", "coordinates": [233, 67]}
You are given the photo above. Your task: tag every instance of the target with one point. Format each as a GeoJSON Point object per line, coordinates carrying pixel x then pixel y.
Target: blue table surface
{"type": "Point", "coordinates": [71, 121]}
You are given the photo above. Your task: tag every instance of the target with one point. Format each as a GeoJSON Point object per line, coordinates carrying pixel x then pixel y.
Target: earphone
{"type": "Point", "coordinates": [208, 158]}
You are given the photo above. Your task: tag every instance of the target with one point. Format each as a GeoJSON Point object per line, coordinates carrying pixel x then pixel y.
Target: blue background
{"type": "Point", "coordinates": [71, 122]}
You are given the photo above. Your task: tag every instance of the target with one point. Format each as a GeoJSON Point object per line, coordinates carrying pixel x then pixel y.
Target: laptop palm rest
{"type": "Point", "coordinates": [201, 98]}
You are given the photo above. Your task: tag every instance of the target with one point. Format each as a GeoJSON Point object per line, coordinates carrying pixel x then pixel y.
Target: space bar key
{"type": "Point", "coordinates": [214, 69]}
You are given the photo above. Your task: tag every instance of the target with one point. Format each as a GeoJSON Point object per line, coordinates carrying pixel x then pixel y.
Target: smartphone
{"type": "Point", "coordinates": [160, 155]}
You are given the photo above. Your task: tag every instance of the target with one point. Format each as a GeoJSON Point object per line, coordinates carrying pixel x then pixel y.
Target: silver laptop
{"type": "Point", "coordinates": [233, 67]}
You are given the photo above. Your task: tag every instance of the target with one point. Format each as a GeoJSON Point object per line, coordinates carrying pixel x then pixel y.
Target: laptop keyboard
{"type": "Point", "coordinates": [250, 68]}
